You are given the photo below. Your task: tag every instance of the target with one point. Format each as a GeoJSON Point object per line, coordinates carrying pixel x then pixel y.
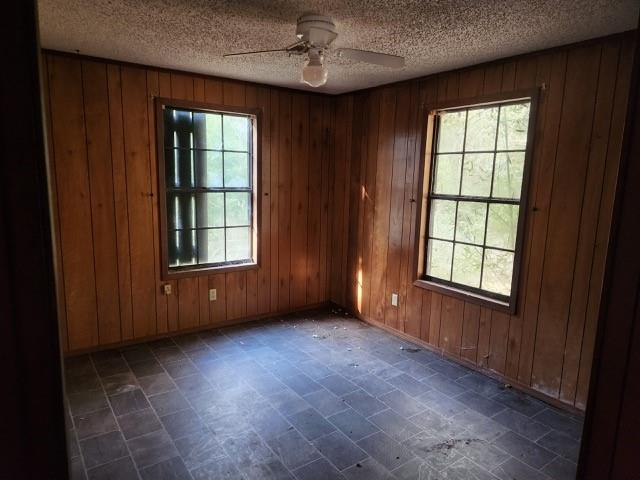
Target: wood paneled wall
{"type": "Point", "coordinates": [338, 222]}
{"type": "Point", "coordinates": [102, 146]}
{"type": "Point", "coordinates": [548, 344]}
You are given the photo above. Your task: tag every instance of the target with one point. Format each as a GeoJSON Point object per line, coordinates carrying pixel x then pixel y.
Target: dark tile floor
{"type": "Point", "coordinates": [313, 396]}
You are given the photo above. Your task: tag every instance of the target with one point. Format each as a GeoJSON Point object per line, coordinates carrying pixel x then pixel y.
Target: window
{"type": "Point", "coordinates": [476, 185]}
{"type": "Point", "coordinates": [207, 185]}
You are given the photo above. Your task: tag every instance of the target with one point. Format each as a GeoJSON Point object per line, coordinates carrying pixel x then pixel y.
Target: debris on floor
{"type": "Point", "coordinates": [410, 349]}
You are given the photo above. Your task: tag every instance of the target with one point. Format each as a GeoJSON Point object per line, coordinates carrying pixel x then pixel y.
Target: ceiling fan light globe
{"type": "Point", "coordinates": [314, 74]}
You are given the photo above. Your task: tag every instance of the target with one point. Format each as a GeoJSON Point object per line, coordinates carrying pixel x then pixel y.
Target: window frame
{"type": "Point", "coordinates": [427, 158]}
{"type": "Point", "coordinates": [172, 273]}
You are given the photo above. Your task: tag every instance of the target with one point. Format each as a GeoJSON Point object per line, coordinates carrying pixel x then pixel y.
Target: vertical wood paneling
{"type": "Point", "coordinates": [564, 217]}
{"type": "Point", "coordinates": [339, 185]}
{"type": "Point", "coordinates": [74, 201]}
{"type": "Point", "coordinates": [96, 108]}
{"type": "Point", "coordinates": [299, 198]}
{"type": "Point", "coordinates": [103, 143]}
{"type": "Point", "coordinates": [577, 131]}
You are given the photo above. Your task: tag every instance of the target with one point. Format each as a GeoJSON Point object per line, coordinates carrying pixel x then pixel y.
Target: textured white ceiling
{"type": "Point", "coordinates": [433, 35]}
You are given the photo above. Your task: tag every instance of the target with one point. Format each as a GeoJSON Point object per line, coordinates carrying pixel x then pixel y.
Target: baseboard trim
{"type": "Point", "coordinates": [199, 328]}
{"type": "Point", "coordinates": [554, 402]}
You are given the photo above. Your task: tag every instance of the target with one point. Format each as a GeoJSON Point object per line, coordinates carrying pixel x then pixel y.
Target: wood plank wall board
{"type": "Point", "coordinates": [604, 221]}
{"type": "Point", "coordinates": [547, 343]}
{"type": "Point", "coordinates": [102, 136]}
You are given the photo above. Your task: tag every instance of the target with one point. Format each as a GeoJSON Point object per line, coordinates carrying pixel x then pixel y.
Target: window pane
{"type": "Point", "coordinates": [514, 124]}
{"type": "Point", "coordinates": [211, 246]}
{"type": "Point", "coordinates": [182, 247]}
{"type": "Point", "coordinates": [209, 210]}
{"type": "Point", "coordinates": [470, 222]}
{"type": "Point", "coordinates": [481, 129]}
{"type": "Point", "coordinates": [502, 226]}
{"type": "Point", "coordinates": [451, 131]}
{"type": "Point", "coordinates": [447, 174]}
{"type": "Point", "coordinates": [238, 208]}
{"type": "Point", "coordinates": [207, 128]}
{"type": "Point", "coordinates": [209, 169]}
{"type": "Point", "coordinates": [236, 169]}
{"type": "Point", "coordinates": [177, 128]}
{"type": "Point", "coordinates": [439, 259]}
{"type": "Point", "coordinates": [181, 211]}
{"type": "Point", "coordinates": [236, 133]}
{"type": "Point", "coordinates": [476, 174]}
{"type": "Point", "coordinates": [497, 272]}
{"type": "Point", "coordinates": [443, 214]}
{"type": "Point", "coordinates": [507, 181]}
{"type": "Point", "coordinates": [238, 243]}
{"type": "Point", "coordinates": [467, 262]}
{"type": "Point", "coordinates": [179, 168]}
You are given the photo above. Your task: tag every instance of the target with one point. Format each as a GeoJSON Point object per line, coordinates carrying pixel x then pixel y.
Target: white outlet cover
{"type": "Point", "coordinates": [394, 299]}
{"type": "Point", "coordinates": [212, 294]}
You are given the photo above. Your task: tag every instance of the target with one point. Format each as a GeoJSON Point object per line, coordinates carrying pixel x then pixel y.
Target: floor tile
{"type": "Point", "coordinates": [520, 402]}
{"type": "Point", "coordinates": [394, 425]}
{"type": "Point", "coordinates": [514, 469]}
{"type": "Point", "coordinates": [480, 403]}
{"type": "Point", "coordinates": [293, 449]}
{"type": "Point", "coordinates": [258, 401]}
{"type": "Point", "coordinates": [338, 385]}
{"type": "Point", "coordinates": [561, 444]}
{"type": "Point", "coordinates": [87, 402]}
{"type": "Point", "coordinates": [339, 450]}
{"type": "Point", "coordinates": [385, 450]}
{"type": "Point", "coordinates": [198, 449]}
{"type": "Point", "coordinates": [183, 423]}
{"type": "Point", "coordinates": [352, 424]}
{"type": "Point", "coordinates": [103, 449]}
{"type": "Point", "coordinates": [402, 403]}
{"type": "Point", "coordinates": [139, 423]}
{"type": "Point", "coordinates": [146, 368]}
{"type": "Point", "coordinates": [561, 422]}
{"type": "Point", "coordinates": [409, 385]}
{"type": "Point", "coordinates": [169, 402]}
{"type": "Point", "coordinates": [172, 469]}
{"type": "Point", "coordinates": [373, 385]}
{"type": "Point", "coordinates": [326, 402]}
{"type": "Point", "coordinates": [152, 448]}
{"type": "Point", "coordinates": [368, 469]}
{"type": "Point", "coordinates": [311, 424]}
{"type": "Point", "coordinates": [318, 470]}
{"type": "Point", "coordinates": [120, 383]}
{"type": "Point", "coordinates": [561, 469]}
{"type": "Point", "coordinates": [155, 384]}
{"type": "Point", "coordinates": [222, 468]}
{"type": "Point", "coordinates": [122, 469]}
{"type": "Point", "coordinates": [521, 424]}
{"type": "Point", "coordinates": [524, 450]}
{"type": "Point", "coordinates": [128, 402]}
{"type": "Point", "coordinates": [95, 423]}
{"type": "Point", "coordinates": [364, 403]}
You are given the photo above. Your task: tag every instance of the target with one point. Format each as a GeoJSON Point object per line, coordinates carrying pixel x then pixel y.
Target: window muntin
{"type": "Point", "coordinates": [208, 170]}
{"type": "Point", "coordinates": [475, 192]}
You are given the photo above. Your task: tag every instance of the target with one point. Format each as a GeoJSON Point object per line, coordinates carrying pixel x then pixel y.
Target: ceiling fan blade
{"type": "Point", "coordinates": [386, 60]}
{"type": "Point", "coordinates": [255, 51]}
{"type": "Point", "coordinates": [297, 47]}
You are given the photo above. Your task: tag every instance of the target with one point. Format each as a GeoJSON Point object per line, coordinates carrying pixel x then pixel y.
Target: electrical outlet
{"type": "Point", "coordinates": [394, 299]}
{"type": "Point", "coordinates": [167, 288]}
{"type": "Point", "coordinates": [212, 295]}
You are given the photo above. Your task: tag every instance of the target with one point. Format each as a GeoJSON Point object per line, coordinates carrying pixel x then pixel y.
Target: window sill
{"type": "Point", "coordinates": [188, 272]}
{"type": "Point", "coordinates": [470, 297]}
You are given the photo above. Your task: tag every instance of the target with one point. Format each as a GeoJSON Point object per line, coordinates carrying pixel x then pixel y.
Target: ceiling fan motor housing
{"type": "Point", "coordinates": [317, 30]}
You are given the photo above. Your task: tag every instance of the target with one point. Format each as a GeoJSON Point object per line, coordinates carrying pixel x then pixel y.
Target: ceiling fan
{"type": "Point", "coordinates": [315, 34]}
